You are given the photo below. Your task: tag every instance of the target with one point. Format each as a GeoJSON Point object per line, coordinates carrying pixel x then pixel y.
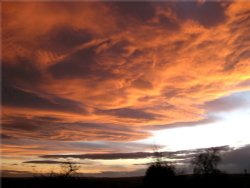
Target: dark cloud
{"type": "Point", "coordinates": [82, 64]}
{"type": "Point", "coordinates": [168, 23]}
{"type": "Point", "coordinates": [114, 146]}
{"type": "Point", "coordinates": [104, 156]}
{"type": "Point", "coordinates": [47, 129]}
{"type": "Point", "coordinates": [63, 38]}
{"type": "Point", "coordinates": [23, 72]}
{"type": "Point", "coordinates": [16, 97]}
{"type": "Point", "coordinates": [78, 65]}
{"type": "Point", "coordinates": [28, 128]}
{"type": "Point", "coordinates": [118, 49]}
{"type": "Point", "coordinates": [48, 118]}
{"type": "Point", "coordinates": [51, 146]}
{"type": "Point", "coordinates": [142, 11]}
{"type": "Point", "coordinates": [21, 124]}
{"type": "Point", "coordinates": [208, 14]}
{"type": "Point", "coordinates": [50, 162]}
{"type": "Point", "coordinates": [136, 155]}
{"type": "Point", "coordinates": [236, 160]}
{"type": "Point", "coordinates": [128, 113]}
{"type": "Point", "coordinates": [5, 136]}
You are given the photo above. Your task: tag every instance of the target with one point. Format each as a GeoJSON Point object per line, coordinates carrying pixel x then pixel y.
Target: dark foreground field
{"type": "Point", "coordinates": [236, 181]}
{"type": "Point", "coordinates": [71, 182]}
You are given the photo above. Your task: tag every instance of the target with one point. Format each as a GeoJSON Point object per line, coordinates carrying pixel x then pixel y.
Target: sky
{"type": "Point", "coordinates": [102, 83]}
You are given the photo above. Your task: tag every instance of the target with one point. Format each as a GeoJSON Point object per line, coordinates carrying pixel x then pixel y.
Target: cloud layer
{"type": "Point", "coordinates": [111, 71]}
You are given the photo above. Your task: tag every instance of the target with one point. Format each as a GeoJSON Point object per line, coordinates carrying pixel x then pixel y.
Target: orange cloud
{"type": "Point", "coordinates": [105, 71]}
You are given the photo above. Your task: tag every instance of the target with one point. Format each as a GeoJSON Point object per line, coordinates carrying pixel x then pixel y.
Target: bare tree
{"type": "Point", "coordinates": [206, 163]}
{"type": "Point", "coordinates": [158, 156]}
{"type": "Point", "coordinates": [69, 169]}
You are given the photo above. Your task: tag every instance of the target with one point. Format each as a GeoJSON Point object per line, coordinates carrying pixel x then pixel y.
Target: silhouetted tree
{"type": "Point", "coordinates": [160, 173]}
{"type": "Point", "coordinates": [69, 169]}
{"type": "Point", "coordinates": [206, 163]}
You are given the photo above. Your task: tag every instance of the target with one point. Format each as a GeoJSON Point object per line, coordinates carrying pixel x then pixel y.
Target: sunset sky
{"type": "Point", "coordinates": [101, 83]}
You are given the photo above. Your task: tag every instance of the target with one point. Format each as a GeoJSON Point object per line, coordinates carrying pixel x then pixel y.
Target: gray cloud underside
{"type": "Point", "coordinates": [135, 155]}
{"type": "Point", "coordinates": [50, 162]}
